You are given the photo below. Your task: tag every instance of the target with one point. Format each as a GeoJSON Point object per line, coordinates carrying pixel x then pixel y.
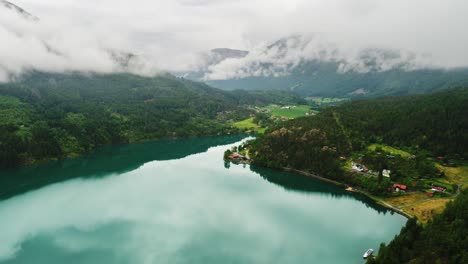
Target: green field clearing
{"type": "Point", "coordinates": [248, 124]}
{"type": "Point", "coordinates": [391, 150]}
{"type": "Point", "coordinates": [456, 175]}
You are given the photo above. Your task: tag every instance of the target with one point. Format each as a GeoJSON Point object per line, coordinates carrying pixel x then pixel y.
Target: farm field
{"type": "Point", "coordinates": [249, 125]}
{"type": "Point", "coordinates": [391, 150]}
{"type": "Point", "coordinates": [292, 112]}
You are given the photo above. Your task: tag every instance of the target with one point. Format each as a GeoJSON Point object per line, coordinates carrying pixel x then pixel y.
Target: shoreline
{"type": "Point", "coordinates": [346, 186]}
{"type": "Point", "coordinates": [355, 190]}
{"type": "Point", "coordinates": [73, 155]}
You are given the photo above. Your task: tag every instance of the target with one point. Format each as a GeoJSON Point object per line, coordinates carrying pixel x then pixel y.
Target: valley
{"type": "Point", "coordinates": [196, 131]}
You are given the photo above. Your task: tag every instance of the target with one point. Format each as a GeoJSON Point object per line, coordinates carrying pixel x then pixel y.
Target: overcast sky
{"type": "Point", "coordinates": [168, 34]}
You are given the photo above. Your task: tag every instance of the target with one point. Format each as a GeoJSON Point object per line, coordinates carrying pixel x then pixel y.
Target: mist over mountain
{"type": "Point", "coordinates": [362, 36]}
{"type": "Point", "coordinates": [28, 43]}
{"type": "Point", "coordinates": [19, 10]}
{"type": "Point", "coordinates": [309, 66]}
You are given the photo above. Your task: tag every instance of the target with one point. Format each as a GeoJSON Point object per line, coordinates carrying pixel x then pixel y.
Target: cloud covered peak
{"type": "Point", "coordinates": [18, 10]}
{"type": "Point", "coordinates": [288, 53]}
{"type": "Point", "coordinates": [362, 35]}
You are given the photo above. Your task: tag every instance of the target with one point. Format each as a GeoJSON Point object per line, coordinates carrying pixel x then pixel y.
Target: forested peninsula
{"type": "Point", "coordinates": [409, 153]}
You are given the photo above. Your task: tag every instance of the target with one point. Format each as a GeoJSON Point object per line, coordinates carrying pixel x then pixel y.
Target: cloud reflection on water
{"type": "Point", "coordinates": [189, 210]}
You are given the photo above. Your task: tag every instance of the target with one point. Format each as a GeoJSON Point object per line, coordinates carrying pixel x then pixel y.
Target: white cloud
{"type": "Point", "coordinates": [168, 34]}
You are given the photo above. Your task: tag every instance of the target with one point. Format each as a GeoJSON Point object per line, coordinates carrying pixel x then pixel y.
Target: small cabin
{"type": "Point", "coordinates": [386, 173]}
{"type": "Point", "coordinates": [438, 188]}
{"type": "Point", "coordinates": [399, 187]}
{"type": "Point", "coordinates": [359, 167]}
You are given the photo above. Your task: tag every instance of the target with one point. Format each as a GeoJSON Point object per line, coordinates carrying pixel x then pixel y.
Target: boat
{"type": "Point", "coordinates": [368, 253]}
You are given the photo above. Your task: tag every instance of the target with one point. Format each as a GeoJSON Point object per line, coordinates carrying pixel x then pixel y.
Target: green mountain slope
{"type": "Point", "coordinates": [54, 115]}
{"type": "Point", "coordinates": [424, 125]}
{"type": "Point", "coordinates": [437, 123]}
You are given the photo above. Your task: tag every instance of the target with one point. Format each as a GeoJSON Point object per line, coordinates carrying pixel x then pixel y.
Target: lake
{"type": "Point", "coordinates": [177, 201]}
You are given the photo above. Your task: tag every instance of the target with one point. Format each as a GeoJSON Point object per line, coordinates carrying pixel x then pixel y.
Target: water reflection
{"type": "Point", "coordinates": [295, 182]}
{"type": "Point", "coordinates": [104, 161]}
{"type": "Point", "coordinates": [190, 210]}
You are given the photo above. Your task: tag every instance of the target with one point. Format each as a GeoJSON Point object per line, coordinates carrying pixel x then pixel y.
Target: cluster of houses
{"type": "Point", "coordinates": [288, 107]}
{"type": "Point", "coordinates": [397, 187]}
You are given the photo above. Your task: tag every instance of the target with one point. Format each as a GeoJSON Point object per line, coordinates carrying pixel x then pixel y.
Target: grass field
{"type": "Point", "coordinates": [426, 209]}
{"type": "Point", "coordinates": [388, 149]}
{"type": "Point", "coordinates": [419, 205]}
{"type": "Point", "coordinates": [248, 124]}
{"type": "Point", "coordinates": [455, 175]}
{"type": "Point", "coordinates": [293, 112]}
{"type": "Point", "coordinates": [405, 199]}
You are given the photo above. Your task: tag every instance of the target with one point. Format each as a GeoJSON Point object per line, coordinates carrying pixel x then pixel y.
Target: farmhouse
{"type": "Point", "coordinates": [399, 187]}
{"type": "Point", "coordinates": [386, 173]}
{"type": "Point", "coordinates": [359, 167]}
{"type": "Point", "coordinates": [438, 188]}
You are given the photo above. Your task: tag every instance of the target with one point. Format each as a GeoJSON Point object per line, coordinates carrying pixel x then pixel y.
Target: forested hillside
{"type": "Point", "coordinates": [442, 240]}
{"type": "Point", "coordinates": [54, 115]}
{"type": "Point", "coordinates": [435, 124]}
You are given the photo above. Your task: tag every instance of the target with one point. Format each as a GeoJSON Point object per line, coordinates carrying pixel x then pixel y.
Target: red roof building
{"type": "Point", "coordinates": [400, 186]}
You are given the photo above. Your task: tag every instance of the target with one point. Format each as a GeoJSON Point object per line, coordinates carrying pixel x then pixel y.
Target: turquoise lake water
{"type": "Point", "coordinates": [177, 201]}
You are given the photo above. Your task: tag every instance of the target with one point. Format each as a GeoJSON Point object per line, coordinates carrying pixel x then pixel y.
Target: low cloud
{"type": "Point", "coordinates": [283, 56]}
{"type": "Point", "coordinates": [169, 35]}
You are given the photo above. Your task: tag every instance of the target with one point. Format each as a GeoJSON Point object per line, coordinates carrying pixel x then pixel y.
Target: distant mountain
{"type": "Point", "coordinates": [318, 78]}
{"type": "Point", "coordinates": [18, 10]}
{"type": "Point", "coordinates": [308, 67]}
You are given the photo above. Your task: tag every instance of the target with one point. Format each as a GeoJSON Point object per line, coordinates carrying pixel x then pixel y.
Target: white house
{"type": "Point", "coordinates": [386, 173]}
